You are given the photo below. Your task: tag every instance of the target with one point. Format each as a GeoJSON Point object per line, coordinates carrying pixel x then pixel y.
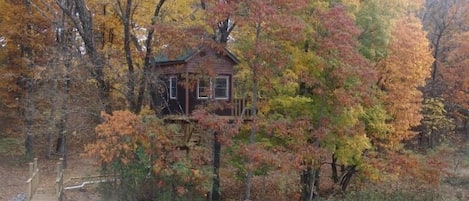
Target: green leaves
{"type": "Point", "coordinates": [288, 107]}
{"type": "Point", "coordinates": [349, 150]}
{"type": "Point", "coordinates": [376, 126]}
{"type": "Point", "coordinates": [436, 127]}
{"type": "Point", "coordinates": [374, 20]}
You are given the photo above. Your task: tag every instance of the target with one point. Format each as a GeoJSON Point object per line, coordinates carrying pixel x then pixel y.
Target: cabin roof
{"type": "Point", "coordinates": [188, 55]}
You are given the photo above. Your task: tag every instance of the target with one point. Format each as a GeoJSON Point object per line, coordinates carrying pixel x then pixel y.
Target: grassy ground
{"type": "Point", "coordinates": [456, 185]}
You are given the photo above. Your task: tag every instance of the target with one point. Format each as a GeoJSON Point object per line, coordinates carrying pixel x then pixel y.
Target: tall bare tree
{"type": "Point", "coordinates": [82, 19]}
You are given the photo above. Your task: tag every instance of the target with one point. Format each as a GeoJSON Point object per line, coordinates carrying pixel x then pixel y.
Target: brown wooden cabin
{"type": "Point", "coordinates": [199, 77]}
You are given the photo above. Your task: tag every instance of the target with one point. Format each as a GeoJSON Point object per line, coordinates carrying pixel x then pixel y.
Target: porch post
{"type": "Point", "coordinates": [186, 105]}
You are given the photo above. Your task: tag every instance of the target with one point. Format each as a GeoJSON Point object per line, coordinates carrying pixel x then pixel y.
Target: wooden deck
{"type": "Point", "coordinates": [240, 110]}
{"type": "Point", "coordinates": [191, 119]}
{"type": "Point", "coordinates": [190, 134]}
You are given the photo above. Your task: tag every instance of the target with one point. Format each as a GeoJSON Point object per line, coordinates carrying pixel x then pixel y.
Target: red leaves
{"type": "Point", "coordinates": [422, 172]}
{"type": "Point", "coordinates": [225, 127]}
{"type": "Point", "coordinates": [260, 158]}
{"type": "Point", "coordinates": [348, 75]}
{"type": "Point", "coordinates": [340, 34]}
{"type": "Point", "coordinates": [455, 75]}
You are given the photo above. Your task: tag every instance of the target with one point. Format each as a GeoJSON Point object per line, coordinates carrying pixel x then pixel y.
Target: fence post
{"type": "Point", "coordinates": [59, 180]}
{"type": "Point", "coordinates": [33, 180]}
{"type": "Point", "coordinates": [28, 190]}
{"type": "Point", "coordinates": [35, 175]}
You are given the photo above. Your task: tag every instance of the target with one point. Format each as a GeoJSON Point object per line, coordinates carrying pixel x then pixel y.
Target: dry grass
{"type": "Point", "coordinates": [13, 173]}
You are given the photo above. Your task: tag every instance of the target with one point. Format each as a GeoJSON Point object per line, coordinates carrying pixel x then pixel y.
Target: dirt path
{"type": "Point", "coordinates": [14, 173]}
{"type": "Point", "coordinates": [45, 193]}
{"type": "Point", "coordinates": [13, 178]}
{"type": "Point", "coordinates": [79, 169]}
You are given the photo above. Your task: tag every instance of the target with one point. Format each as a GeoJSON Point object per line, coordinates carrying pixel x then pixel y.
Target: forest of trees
{"type": "Point", "coordinates": [343, 93]}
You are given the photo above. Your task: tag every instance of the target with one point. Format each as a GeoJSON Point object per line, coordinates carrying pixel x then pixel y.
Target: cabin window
{"type": "Point", "coordinates": [217, 88]}
{"type": "Point", "coordinates": [172, 87]}
{"type": "Point", "coordinates": [203, 89]}
{"type": "Point", "coordinates": [221, 89]}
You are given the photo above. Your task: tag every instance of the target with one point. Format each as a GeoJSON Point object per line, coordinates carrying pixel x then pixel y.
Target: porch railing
{"type": "Point", "coordinates": [241, 107]}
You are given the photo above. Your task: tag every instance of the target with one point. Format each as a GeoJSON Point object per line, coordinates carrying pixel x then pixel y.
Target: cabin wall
{"type": "Point", "coordinates": [224, 107]}
{"type": "Point", "coordinates": [177, 106]}
{"type": "Point", "coordinates": [211, 63]}
{"type": "Point", "coordinates": [173, 69]}
{"type": "Point", "coordinates": [206, 62]}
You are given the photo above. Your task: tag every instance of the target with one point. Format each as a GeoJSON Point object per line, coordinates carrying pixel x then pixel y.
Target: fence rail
{"type": "Point", "coordinates": [33, 180]}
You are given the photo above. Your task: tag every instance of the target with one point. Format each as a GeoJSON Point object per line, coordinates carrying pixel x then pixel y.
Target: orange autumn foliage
{"type": "Point", "coordinates": [118, 137]}
{"type": "Point", "coordinates": [401, 74]}
{"type": "Point", "coordinates": [121, 134]}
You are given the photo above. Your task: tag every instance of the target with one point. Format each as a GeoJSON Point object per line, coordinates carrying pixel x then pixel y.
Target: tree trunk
{"type": "Point", "coordinates": [28, 106]}
{"type": "Point", "coordinates": [223, 31]}
{"type": "Point", "coordinates": [436, 56]}
{"type": "Point", "coordinates": [64, 118]}
{"type": "Point", "coordinates": [347, 176]}
{"type": "Point", "coordinates": [306, 180]}
{"type": "Point", "coordinates": [252, 136]}
{"type": "Point", "coordinates": [309, 182]}
{"type": "Point", "coordinates": [215, 194]}
{"type": "Point", "coordinates": [83, 21]}
{"type": "Point", "coordinates": [28, 145]}
{"type": "Point", "coordinates": [148, 61]}
{"type": "Point", "coordinates": [64, 54]}
{"type": "Point", "coordinates": [466, 125]}
{"type": "Point", "coordinates": [316, 182]}
{"type": "Point", "coordinates": [255, 97]}
{"type": "Point", "coordinates": [335, 176]}
{"type": "Point", "coordinates": [28, 119]}
{"type": "Point", "coordinates": [97, 59]}
{"type": "Point", "coordinates": [52, 120]}
{"type": "Point", "coordinates": [131, 80]}
{"type": "Point", "coordinates": [251, 141]}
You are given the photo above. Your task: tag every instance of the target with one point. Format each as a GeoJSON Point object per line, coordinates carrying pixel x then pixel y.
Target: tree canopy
{"type": "Point", "coordinates": [339, 87]}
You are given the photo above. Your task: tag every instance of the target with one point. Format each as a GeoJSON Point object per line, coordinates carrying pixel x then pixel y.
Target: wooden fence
{"type": "Point", "coordinates": [59, 180]}
{"type": "Point", "coordinates": [33, 180]}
